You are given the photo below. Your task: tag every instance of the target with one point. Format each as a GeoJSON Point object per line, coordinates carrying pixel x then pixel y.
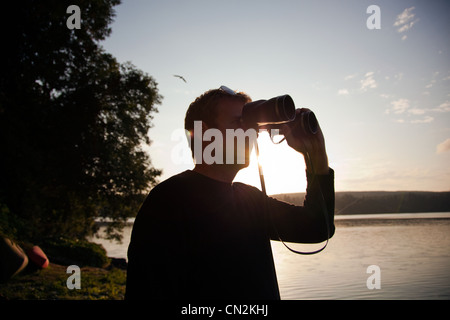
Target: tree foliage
{"type": "Point", "coordinates": [73, 121]}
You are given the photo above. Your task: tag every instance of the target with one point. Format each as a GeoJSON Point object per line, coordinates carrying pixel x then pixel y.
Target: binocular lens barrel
{"type": "Point", "coordinates": [277, 110]}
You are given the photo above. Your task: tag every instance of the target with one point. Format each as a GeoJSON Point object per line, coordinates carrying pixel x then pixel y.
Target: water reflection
{"type": "Point", "coordinates": [410, 249]}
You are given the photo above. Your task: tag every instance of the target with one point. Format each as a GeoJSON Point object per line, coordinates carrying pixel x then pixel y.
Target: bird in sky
{"type": "Point", "coordinates": [175, 75]}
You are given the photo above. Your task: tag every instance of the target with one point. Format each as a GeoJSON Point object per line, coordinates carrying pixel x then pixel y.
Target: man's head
{"type": "Point", "coordinates": [205, 107]}
{"type": "Point", "coordinates": [218, 109]}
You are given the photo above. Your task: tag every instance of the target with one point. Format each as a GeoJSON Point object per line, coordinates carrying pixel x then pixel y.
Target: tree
{"type": "Point", "coordinates": [72, 123]}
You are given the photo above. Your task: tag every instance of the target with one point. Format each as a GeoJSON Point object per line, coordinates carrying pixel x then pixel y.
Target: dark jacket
{"type": "Point", "coordinates": [199, 238]}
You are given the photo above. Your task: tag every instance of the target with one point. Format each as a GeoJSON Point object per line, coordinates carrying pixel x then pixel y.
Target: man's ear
{"type": "Point", "coordinates": [195, 132]}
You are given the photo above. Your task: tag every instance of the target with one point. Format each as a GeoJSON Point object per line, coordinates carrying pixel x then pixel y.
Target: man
{"type": "Point", "coordinates": [198, 235]}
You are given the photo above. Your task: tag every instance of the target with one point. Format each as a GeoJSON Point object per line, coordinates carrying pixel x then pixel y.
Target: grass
{"type": "Point", "coordinates": [50, 284]}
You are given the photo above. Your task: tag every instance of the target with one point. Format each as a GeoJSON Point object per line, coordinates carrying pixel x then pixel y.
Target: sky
{"type": "Point", "coordinates": [381, 95]}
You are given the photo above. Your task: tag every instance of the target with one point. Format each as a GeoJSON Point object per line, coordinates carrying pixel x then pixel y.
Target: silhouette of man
{"type": "Point", "coordinates": [198, 235]}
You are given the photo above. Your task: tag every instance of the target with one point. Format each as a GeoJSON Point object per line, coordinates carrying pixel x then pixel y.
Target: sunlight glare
{"type": "Point", "coordinates": [283, 168]}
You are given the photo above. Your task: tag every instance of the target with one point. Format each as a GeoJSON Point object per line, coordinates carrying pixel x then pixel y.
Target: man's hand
{"type": "Point", "coordinates": [307, 144]}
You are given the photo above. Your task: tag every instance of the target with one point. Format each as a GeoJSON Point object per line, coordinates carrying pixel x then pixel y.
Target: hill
{"type": "Point", "coordinates": [381, 201]}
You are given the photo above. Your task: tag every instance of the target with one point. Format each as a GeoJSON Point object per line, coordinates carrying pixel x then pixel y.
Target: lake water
{"type": "Point", "coordinates": [412, 252]}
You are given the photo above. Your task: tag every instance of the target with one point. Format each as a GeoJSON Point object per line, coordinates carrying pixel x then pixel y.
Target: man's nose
{"type": "Point", "coordinates": [242, 124]}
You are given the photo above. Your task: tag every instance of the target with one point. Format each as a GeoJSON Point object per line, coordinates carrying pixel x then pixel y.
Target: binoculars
{"type": "Point", "coordinates": [272, 113]}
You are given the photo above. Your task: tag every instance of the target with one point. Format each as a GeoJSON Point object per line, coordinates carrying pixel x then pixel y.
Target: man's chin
{"type": "Point", "coordinates": [238, 166]}
{"type": "Point", "coordinates": [242, 165]}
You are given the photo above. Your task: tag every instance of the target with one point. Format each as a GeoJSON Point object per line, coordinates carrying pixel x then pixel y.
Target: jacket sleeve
{"type": "Point", "coordinates": [311, 223]}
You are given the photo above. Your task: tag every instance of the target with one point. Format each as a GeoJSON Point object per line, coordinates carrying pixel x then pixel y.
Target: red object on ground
{"type": "Point", "coordinates": [38, 257]}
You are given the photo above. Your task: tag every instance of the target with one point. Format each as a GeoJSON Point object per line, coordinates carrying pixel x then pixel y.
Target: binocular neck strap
{"type": "Point", "coordinates": [322, 205]}
{"type": "Point", "coordinates": [261, 174]}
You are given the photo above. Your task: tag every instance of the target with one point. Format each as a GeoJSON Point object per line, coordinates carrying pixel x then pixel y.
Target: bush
{"type": "Point", "coordinates": [79, 252]}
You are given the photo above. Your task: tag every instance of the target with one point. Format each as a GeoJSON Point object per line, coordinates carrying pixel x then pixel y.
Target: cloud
{"type": "Point", "coordinates": [443, 146]}
{"type": "Point", "coordinates": [350, 76]}
{"type": "Point", "coordinates": [443, 107]}
{"type": "Point", "coordinates": [404, 17]}
{"type": "Point", "coordinates": [398, 76]}
{"type": "Point", "coordinates": [417, 111]}
{"type": "Point", "coordinates": [403, 106]}
{"type": "Point", "coordinates": [399, 106]}
{"type": "Point", "coordinates": [404, 20]}
{"type": "Point", "coordinates": [427, 119]}
{"type": "Point", "coordinates": [343, 92]}
{"type": "Point", "coordinates": [406, 27]}
{"type": "Point", "coordinates": [368, 82]}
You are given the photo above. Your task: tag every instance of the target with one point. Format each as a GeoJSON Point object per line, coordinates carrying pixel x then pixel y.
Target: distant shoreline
{"type": "Point", "coordinates": [397, 216]}
{"type": "Point", "coordinates": [375, 202]}
{"type": "Point", "coordinates": [383, 219]}
{"type": "Point", "coordinates": [368, 202]}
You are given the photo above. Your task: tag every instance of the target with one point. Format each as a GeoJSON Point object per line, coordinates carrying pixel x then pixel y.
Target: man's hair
{"type": "Point", "coordinates": [204, 107]}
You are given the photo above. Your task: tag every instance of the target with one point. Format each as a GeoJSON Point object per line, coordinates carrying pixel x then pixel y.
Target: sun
{"type": "Point", "coordinates": [283, 168]}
